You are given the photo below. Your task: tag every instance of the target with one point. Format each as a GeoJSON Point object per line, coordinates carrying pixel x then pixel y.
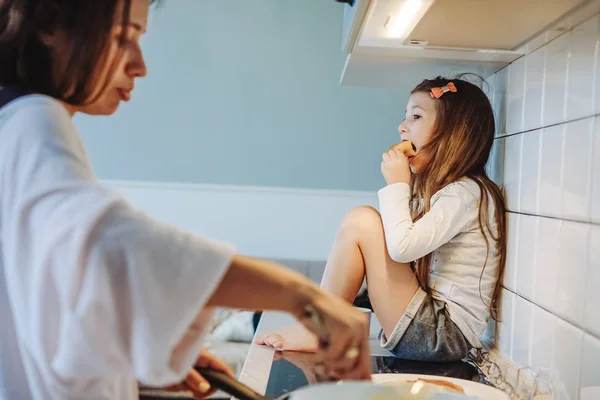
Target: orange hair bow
{"type": "Point", "coordinates": [437, 92]}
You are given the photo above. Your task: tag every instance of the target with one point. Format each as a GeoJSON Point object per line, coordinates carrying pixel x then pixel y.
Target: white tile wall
{"type": "Point", "coordinates": [555, 80]}
{"type": "Point", "coordinates": [550, 179]}
{"type": "Point", "coordinates": [528, 232]}
{"type": "Point", "coordinates": [566, 362]}
{"type": "Point", "coordinates": [489, 88]}
{"type": "Point", "coordinates": [596, 87]}
{"type": "Point", "coordinates": [543, 332]}
{"type": "Point", "coordinates": [595, 187]}
{"type": "Point", "coordinates": [534, 85]}
{"type": "Point", "coordinates": [510, 272]}
{"type": "Point", "coordinates": [522, 328]}
{"type": "Point", "coordinates": [500, 101]}
{"type": "Point", "coordinates": [547, 263]}
{"type": "Point", "coordinates": [582, 57]}
{"type": "Point", "coordinates": [591, 321]}
{"type": "Point", "coordinates": [590, 371]}
{"type": "Point", "coordinates": [512, 170]}
{"type": "Point", "coordinates": [571, 271]}
{"type": "Point", "coordinates": [550, 169]}
{"type": "Point", "coordinates": [577, 153]}
{"type": "Point", "coordinates": [516, 96]}
{"type": "Point", "coordinates": [530, 162]}
{"type": "Point", "coordinates": [495, 166]}
{"type": "Point", "coordinates": [504, 332]}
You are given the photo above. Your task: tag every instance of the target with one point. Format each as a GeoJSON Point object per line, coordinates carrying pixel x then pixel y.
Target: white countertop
{"type": "Point", "coordinates": [256, 369]}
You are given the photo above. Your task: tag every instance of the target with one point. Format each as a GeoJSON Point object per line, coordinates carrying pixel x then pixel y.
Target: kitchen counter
{"type": "Point", "coordinates": [257, 368]}
{"type": "Point", "coordinates": [274, 373]}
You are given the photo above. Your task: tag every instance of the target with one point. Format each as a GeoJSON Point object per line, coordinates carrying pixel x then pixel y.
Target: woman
{"type": "Point", "coordinates": [95, 295]}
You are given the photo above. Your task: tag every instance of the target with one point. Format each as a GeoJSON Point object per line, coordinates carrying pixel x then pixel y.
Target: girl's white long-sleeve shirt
{"type": "Point", "coordinates": [451, 231]}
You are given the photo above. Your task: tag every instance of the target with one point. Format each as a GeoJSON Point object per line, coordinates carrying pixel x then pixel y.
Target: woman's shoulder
{"type": "Point", "coordinates": [36, 126]}
{"type": "Point", "coordinates": [33, 117]}
{"type": "Point", "coordinates": [32, 106]}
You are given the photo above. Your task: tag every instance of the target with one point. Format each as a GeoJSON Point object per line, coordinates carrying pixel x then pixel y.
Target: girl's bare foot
{"type": "Point", "coordinates": [293, 338]}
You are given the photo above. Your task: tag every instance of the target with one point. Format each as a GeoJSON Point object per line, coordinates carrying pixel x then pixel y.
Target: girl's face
{"type": "Point", "coordinates": [418, 125]}
{"type": "Point", "coordinates": [119, 74]}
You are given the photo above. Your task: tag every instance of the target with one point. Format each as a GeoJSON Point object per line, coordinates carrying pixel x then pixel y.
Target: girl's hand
{"type": "Point", "coordinates": [195, 383]}
{"type": "Point", "coordinates": [395, 167]}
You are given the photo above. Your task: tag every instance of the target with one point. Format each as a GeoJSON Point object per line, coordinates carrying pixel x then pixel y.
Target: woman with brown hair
{"type": "Point", "coordinates": [95, 295]}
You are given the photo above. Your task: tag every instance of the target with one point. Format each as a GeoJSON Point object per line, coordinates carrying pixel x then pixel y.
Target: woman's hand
{"type": "Point", "coordinates": [195, 383]}
{"type": "Point", "coordinates": [395, 167]}
{"type": "Point", "coordinates": [262, 285]}
{"type": "Point", "coordinates": [343, 336]}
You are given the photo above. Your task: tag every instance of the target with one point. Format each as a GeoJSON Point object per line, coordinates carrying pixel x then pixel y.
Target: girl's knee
{"type": "Point", "coordinates": [362, 213]}
{"type": "Point", "coordinates": [362, 217]}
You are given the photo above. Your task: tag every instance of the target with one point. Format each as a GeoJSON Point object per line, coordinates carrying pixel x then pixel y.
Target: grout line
{"type": "Point", "coordinates": [591, 141]}
{"type": "Point", "coordinates": [515, 259]}
{"type": "Point", "coordinates": [563, 151]}
{"type": "Point", "coordinates": [544, 83]}
{"type": "Point", "coordinates": [534, 272]}
{"type": "Point", "coordinates": [554, 218]}
{"type": "Point", "coordinates": [538, 177]}
{"type": "Point", "coordinates": [595, 78]}
{"type": "Point", "coordinates": [525, 63]}
{"type": "Point", "coordinates": [568, 73]}
{"type": "Point", "coordinates": [595, 127]}
{"type": "Point", "coordinates": [541, 142]}
{"type": "Point", "coordinates": [581, 328]}
{"type": "Point", "coordinates": [513, 319]}
{"type": "Point", "coordinates": [586, 270]}
{"type": "Point", "coordinates": [520, 173]}
{"type": "Point", "coordinates": [516, 246]}
{"type": "Point", "coordinates": [505, 135]}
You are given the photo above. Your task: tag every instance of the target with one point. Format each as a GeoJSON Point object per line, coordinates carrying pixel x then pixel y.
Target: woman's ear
{"type": "Point", "coordinates": [46, 17]}
{"type": "Point", "coordinates": [55, 40]}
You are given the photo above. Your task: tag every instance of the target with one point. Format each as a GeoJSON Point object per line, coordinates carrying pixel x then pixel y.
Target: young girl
{"type": "Point", "coordinates": [434, 257]}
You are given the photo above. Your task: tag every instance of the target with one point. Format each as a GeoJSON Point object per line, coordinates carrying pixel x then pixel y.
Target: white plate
{"type": "Point", "coordinates": [367, 391]}
{"type": "Point", "coordinates": [471, 388]}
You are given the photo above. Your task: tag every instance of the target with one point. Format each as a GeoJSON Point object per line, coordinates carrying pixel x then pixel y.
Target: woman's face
{"type": "Point", "coordinates": [120, 75]}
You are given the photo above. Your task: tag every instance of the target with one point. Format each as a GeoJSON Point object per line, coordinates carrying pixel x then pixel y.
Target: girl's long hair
{"type": "Point", "coordinates": [460, 147]}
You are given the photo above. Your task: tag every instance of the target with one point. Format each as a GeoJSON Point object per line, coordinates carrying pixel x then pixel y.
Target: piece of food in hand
{"type": "Point", "coordinates": [406, 147]}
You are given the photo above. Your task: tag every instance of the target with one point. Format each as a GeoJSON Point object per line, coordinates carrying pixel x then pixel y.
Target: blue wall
{"type": "Point", "coordinates": [247, 93]}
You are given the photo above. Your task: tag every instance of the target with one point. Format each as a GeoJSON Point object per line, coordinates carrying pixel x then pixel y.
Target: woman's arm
{"type": "Point", "coordinates": [237, 290]}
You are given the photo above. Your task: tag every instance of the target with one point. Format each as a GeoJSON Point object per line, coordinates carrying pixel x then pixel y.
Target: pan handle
{"type": "Point", "coordinates": [222, 381]}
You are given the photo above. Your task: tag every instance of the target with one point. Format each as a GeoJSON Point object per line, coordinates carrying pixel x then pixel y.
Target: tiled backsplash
{"type": "Point", "coordinates": [547, 156]}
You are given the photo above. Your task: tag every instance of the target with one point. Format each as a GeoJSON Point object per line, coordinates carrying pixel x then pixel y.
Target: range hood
{"type": "Point", "coordinates": [413, 37]}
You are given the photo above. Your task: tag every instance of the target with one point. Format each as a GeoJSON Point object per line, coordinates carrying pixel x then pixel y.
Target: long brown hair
{"type": "Point", "coordinates": [460, 147]}
{"type": "Point", "coordinates": [27, 63]}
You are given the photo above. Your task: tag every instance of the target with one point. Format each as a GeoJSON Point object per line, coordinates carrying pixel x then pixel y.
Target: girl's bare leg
{"type": "Point", "coordinates": [359, 250]}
